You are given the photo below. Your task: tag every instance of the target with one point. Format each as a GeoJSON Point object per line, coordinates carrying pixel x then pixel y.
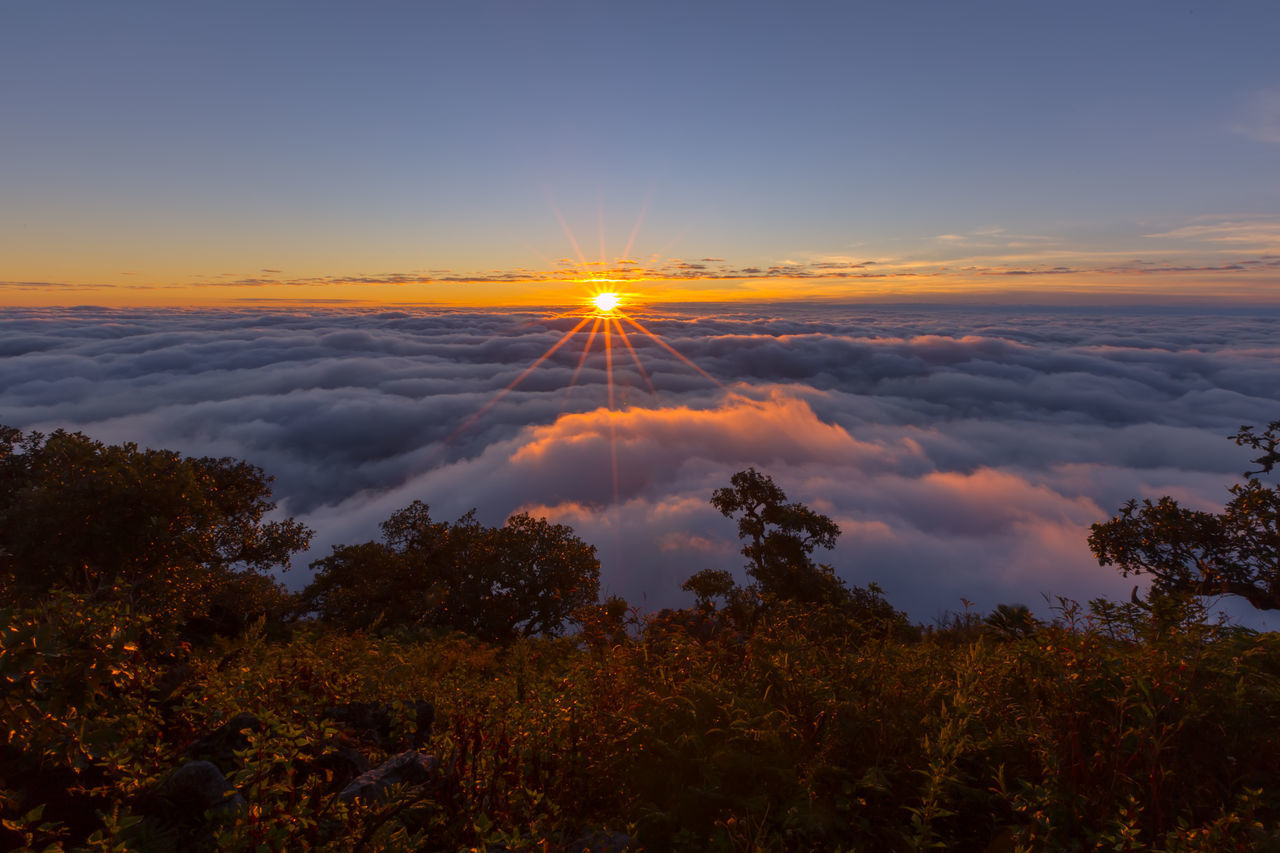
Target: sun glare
{"type": "Point", "coordinates": [606, 317]}
{"type": "Point", "coordinates": [602, 319]}
{"type": "Point", "coordinates": [606, 302]}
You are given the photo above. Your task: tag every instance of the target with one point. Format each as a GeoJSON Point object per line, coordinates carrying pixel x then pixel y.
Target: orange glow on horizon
{"type": "Point", "coordinates": [547, 290]}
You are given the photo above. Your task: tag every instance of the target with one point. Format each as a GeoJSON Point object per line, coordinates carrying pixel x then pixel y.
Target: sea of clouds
{"type": "Point", "coordinates": [963, 451]}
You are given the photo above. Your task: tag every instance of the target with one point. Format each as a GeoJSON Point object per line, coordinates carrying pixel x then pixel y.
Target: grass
{"type": "Point", "coordinates": [1115, 728]}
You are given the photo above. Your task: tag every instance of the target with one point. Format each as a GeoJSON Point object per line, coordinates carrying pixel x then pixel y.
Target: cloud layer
{"type": "Point", "coordinates": [964, 452]}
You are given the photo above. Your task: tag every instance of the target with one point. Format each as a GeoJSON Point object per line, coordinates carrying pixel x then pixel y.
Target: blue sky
{"type": "Point", "coordinates": [154, 145]}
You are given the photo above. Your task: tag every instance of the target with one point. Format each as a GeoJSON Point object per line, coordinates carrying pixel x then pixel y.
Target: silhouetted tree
{"type": "Point", "coordinates": [1011, 621]}
{"type": "Point", "coordinates": [524, 578]}
{"type": "Point", "coordinates": [709, 585]}
{"type": "Point", "coordinates": [1268, 443]}
{"type": "Point", "coordinates": [1235, 552]}
{"type": "Point", "coordinates": [779, 538]}
{"type": "Point", "coordinates": [605, 624]}
{"type": "Point", "coordinates": [173, 533]}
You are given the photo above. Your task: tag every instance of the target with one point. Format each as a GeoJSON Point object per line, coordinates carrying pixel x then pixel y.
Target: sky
{"type": "Point", "coordinates": [501, 153]}
{"type": "Point", "coordinates": [964, 276]}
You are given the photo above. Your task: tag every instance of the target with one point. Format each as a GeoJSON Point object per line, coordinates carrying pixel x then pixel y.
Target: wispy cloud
{"type": "Point", "coordinates": [1255, 236]}
{"type": "Point", "coordinates": [53, 285]}
{"type": "Point", "coordinates": [1260, 234]}
{"type": "Point", "coordinates": [994, 238]}
{"type": "Point", "coordinates": [1224, 257]}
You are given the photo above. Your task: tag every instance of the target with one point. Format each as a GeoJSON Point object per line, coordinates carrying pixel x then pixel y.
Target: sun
{"type": "Point", "coordinates": [606, 302]}
{"type": "Point", "coordinates": [607, 323]}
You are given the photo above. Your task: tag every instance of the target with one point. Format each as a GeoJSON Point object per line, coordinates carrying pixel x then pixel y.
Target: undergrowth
{"type": "Point", "coordinates": [1117, 728]}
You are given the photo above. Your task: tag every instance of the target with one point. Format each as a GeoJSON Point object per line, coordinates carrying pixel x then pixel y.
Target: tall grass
{"type": "Point", "coordinates": [1115, 728]}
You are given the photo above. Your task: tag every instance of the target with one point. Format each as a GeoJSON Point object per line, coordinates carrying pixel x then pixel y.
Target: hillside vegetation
{"type": "Point", "coordinates": [145, 641]}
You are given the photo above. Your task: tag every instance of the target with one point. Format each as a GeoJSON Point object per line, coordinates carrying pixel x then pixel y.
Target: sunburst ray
{"type": "Point", "coordinates": [626, 341]}
{"type": "Point", "coordinates": [512, 385]}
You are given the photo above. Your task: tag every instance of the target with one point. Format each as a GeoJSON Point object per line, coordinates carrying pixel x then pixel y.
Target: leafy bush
{"type": "Point", "coordinates": [522, 579]}
{"type": "Point", "coordinates": [825, 723]}
{"type": "Point", "coordinates": [171, 533]}
{"type": "Point", "coordinates": [1234, 552]}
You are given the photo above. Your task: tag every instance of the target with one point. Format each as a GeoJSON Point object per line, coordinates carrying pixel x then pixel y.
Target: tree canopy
{"type": "Point", "coordinates": [176, 532]}
{"type": "Point", "coordinates": [1234, 552]}
{"type": "Point", "coordinates": [779, 538]}
{"type": "Point", "coordinates": [522, 579]}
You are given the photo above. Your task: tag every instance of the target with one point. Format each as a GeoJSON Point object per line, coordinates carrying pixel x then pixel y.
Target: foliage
{"type": "Point", "coordinates": [77, 691]}
{"type": "Point", "coordinates": [709, 585]}
{"type": "Point", "coordinates": [779, 537]}
{"type": "Point", "coordinates": [522, 579]}
{"type": "Point", "coordinates": [1235, 552]}
{"type": "Point", "coordinates": [815, 725]}
{"type": "Point", "coordinates": [1268, 443]}
{"type": "Point", "coordinates": [606, 624]}
{"type": "Point", "coordinates": [1120, 736]}
{"type": "Point", "coordinates": [715, 589]}
{"type": "Point", "coordinates": [1010, 621]}
{"type": "Point", "coordinates": [172, 532]}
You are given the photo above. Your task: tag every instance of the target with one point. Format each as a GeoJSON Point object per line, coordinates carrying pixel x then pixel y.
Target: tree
{"type": "Point", "coordinates": [605, 624]}
{"type": "Point", "coordinates": [543, 572]}
{"type": "Point", "coordinates": [1011, 621]}
{"type": "Point", "coordinates": [1235, 552]}
{"type": "Point", "coordinates": [174, 532]}
{"type": "Point", "coordinates": [524, 578]}
{"type": "Point", "coordinates": [780, 537]}
{"type": "Point", "coordinates": [710, 584]}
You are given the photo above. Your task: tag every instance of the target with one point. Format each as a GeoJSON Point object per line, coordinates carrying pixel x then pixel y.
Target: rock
{"type": "Point", "coordinates": [407, 768]}
{"type": "Point", "coordinates": [198, 787]}
{"type": "Point", "coordinates": [220, 745]}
